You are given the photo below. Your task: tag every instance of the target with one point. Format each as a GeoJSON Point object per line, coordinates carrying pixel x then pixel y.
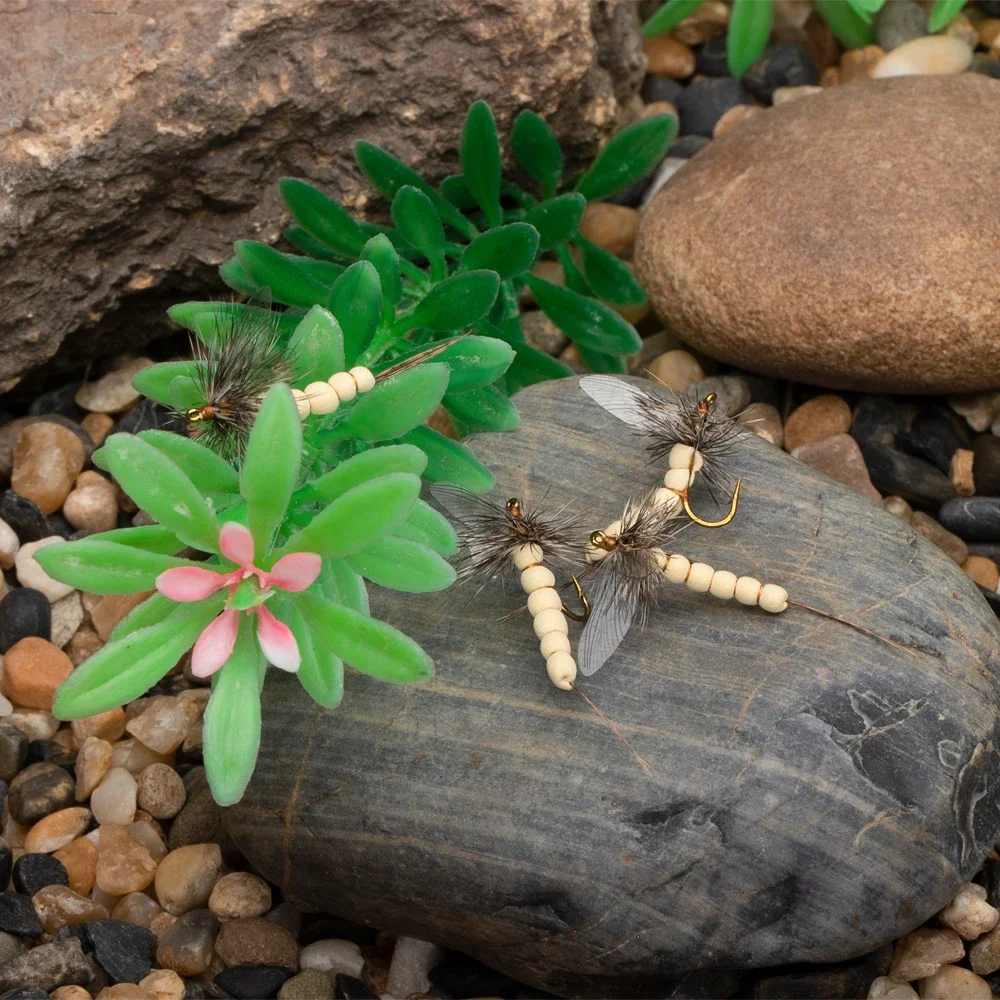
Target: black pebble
{"type": "Point", "coordinates": [39, 790]}
{"type": "Point", "coordinates": [631, 196]}
{"type": "Point", "coordinates": [348, 988]}
{"type": "Point", "coordinates": [463, 977]}
{"type": "Point", "coordinates": [60, 526]}
{"type": "Point", "coordinates": [686, 147]}
{"type": "Point", "coordinates": [876, 418]}
{"type": "Point", "coordinates": [125, 951]}
{"type": "Point", "coordinates": [53, 752]}
{"type": "Point", "coordinates": [24, 516]}
{"type": "Point", "coordinates": [17, 915]}
{"type": "Point", "coordinates": [996, 69]}
{"type": "Point", "coordinates": [660, 88]}
{"type": "Point", "coordinates": [24, 611]}
{"type": "Point", "coordinates": [913, 479]}
{"type": "Point", "coordinates": [147, 416]}
{"type": "Point", "coordinates": [6, 859]}
{"type": "Point", "coordinates": [59, 401]}
{"type": "Point", "coordinates": [28, 994]}
{"type": "Point", "coordinates": [990, 7]}
{"type": "Point", "coordinates": [786, 65]}
{"type": "Point", "coordinates": [703, 103]}
{"type": "Point", "coordinates": [35, 871]}
{"type": "Point", "coordinates": [252, 982]}
{"type": "Point", "coordinates": [976, 519]}
{"type": "Point", "coordinates": [711, 58]}
{"type": "Point", "coordinates": [13, 751]}
{"type": "Point", "coordinates": [932, 437]}
{"type": "Point", "coordinates": [986, 465]}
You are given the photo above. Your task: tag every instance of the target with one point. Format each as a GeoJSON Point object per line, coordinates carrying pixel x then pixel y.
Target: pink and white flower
{"type": "Point", "coordinates": [290, 573]}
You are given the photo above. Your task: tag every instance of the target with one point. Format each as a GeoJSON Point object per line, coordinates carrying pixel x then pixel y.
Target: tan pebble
{"type": "Point", "coordinates": [98, 426]}
{"type": "Point", "coordinates": [34, 669]}
{"type": "Point", "coordinates": [124, 865]}
{"type": "Point", "coordinates": [984, 571]}
{"type": "Point", "coordinates": [92, 505]}
{"type": "Point", "coordinates": [785, 95]}
{"type": "Point", "coordinates": [79, 858]}
{"type": "Point", "coordinates": [114, 799]}
{"type": "Point", "coordinates": [163, 726]}
{"type": "Point", "coordinates": [147, 835]}
{"type": "Point", "coordinates": [164, 984]}
{"type": "Point", "coordinates": [107, 726]}
{"type": "Point", "coordinates": [307, 985]}
{"type": "Point", "coordinates": [30, 574]}
{"type": "Point", "coordinates": [57, 830]}
{"type": "Point", "coordinates": [58, 907]}
{"type": "Point", "coordinates": [676, 369]}
{"type": "Point", "coordinates": [884, 988]}
{"type": "Point", "coordinates": [185, 943]}
{"type": "Point", "coordinates": [254, 940]}
{"type": "Point", "coordinates": [159, 925]}
{"type": "Point", "coordinates": [196, 698]}
{"type": "Point", "coordinates": [186, 876]}
{"type": "Point", "coordinates": [240, 894]}
{"type": "Point", "coordinates": [899, 507]}
{"type": "Point", "coordinates": [968, 914]}
{"type": "Point", "coordinates": [124, 991]}
{"type": "Point", "coordinates": [70, 993]}
{"type": "Point", "coordinates": [83, 645]}
{"type": "Point", "coordinates": [857, 64]}
{"type": "Point", "coordinates": [114, 392]}
{"type": "Point", "coordinates": [960, 472]}
{"type": "Point", "coordinates": [953, 983]}
{"type": "Point", "coordinates": [830, 77]}
{"type": "Point", "coordinates": [922, 952]}
{"type": "Point", "coordinates": [137, 908]}
{"type": "Point", "coordinates": [658, 108]}
{"type": "Point", "coordinates": [9, 544]}
{"type": "Point", "coordinates": [817, 418]}
{"type": "Point", "coordinates": [633, 314]}
{"type": "Point", "coordinates": [937, 534]}
{"type": "Point", "coordinates": [110, 609]}
{"type": "Point", "coordinates": [92, 762]}
{"type": "Point", "coordinates": [161, 791]}
{"type": "Point", "coordinates": [931, 55]}
{"type": "Point", "coordinates": [988, 30]}
{"type": "Point", "coordinates": [47, 458]}
{"type": "Point", "coordinates": [36, 723]}
{"type": "Point", "coordinates": [669, 57]}
{"type": "Point", "coordinates": [765, 421]}
{"type": "Point", "coordinates": [67, 617]}
{"type": "Point", "coordinates": [613, 227]}
{"type": "Point", "coordinates": [963, 29]}
{"type": "Point", "coordinates": [984, 954]}
{"type": "Point", "coordinates": [708, 21]}
{"type": "Point", "coordinates": [733, 117]}
{"type": "Point", "coordinates": [839, 457]}
{"type": "Point", "coordinates": [97, 894]}
{"type": "Point", "coordinates": [140, 757]}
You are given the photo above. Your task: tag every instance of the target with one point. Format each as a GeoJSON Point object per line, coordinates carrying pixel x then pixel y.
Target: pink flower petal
{"type": "Point", "coordinates": [190, 583]}
{"type": "Point", "coordinates": [236, 543]}
{"type": "Point", "coordinates": [294, 572]}
{"type": "Point", "coordinates": [277, 641]}
{"type": "Point", "coordinates": [215, 644]}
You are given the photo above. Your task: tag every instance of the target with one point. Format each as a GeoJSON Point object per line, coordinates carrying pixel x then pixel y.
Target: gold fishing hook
{"type": "Point", "coordinates": [575, 615]}
{"type": "Point", "coordinates": [714, 524]}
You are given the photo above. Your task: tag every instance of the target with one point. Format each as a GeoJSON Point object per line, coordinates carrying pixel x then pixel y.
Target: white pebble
{"type": "Point", "coordinates": [344, 386]}
{"type": "Point", "coordinates": [30, 574]}
{"type": "Point", "coordinates": [930, 55]}
{"type": "Point", "coordinates": [412, 960]}
{"type": "Point", "coordinates": [113, 801]}
{"type": "Point", "coordinates": [968, 914]}
{"type": "Point", "coordinates": [8, 545]}
{"type": "Point", "coordinates": [333, 955]}
{"type": "Point", "coordinates": [114, 392]}
{"type": "Point", "coordinates": [36, 723]}
{"type": "Point", "coordinates": [67, 617]}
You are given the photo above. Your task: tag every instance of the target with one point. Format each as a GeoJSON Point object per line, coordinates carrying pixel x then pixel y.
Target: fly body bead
{"type": "Point", "coordinates": [322, 397]}
{"type": "Point", "coordinates": [561, 668]}
{"type": "Point", "coordinates": [680, 458]}
{"type": "Point", "coordinates": [343, 385]}
{"type": "Point", "coordinates": [529, 554]}
{"type": "Point", "coordinates": [363, 379]}
{"type": "Point", "coordinates": [543, 599]}
{"type": "Point", "coordinates": [537, 577]}
{"type": "Point", "coordinates": [550, 620]}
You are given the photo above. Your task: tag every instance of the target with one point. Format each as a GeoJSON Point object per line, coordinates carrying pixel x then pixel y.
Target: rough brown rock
{"type": "Point", "coordinates": [801, 246]}
{"type": "Point", "coordinates": [137, 147]}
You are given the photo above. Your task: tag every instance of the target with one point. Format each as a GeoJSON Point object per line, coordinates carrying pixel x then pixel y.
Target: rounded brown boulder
{"type": "Point", "coordinates": [849, 240]}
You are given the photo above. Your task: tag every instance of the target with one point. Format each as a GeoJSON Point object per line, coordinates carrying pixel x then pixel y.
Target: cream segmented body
{"type": "Point", "coordinates": [703, 579]}
{"type": "Point", "coordinates": [546, 609]}
{"type": "Point", "coordinates": [324, 397]}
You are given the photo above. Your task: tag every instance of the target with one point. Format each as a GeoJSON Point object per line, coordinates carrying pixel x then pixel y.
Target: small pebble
{"type": "Point", "coordinates": [13, 751]}
{"type": "Point", "coordinates": [982, 570]}
{"type": "Point", "coordinates": [985, 466]}
{"type": "Point", "coordinates": [34, 669]}
{"type": "Point", "coordinates": [70, 993]}
{"type": "Point", "coordinates": [17, 915]}
{"type": "Point", "coordinates": [185, 878]}
{"type": "Point", "coordinates": [884, 988]}
{"type": "Point", "coordinates": [124, 991]}
{"type": "Point", "coordinates": [161, 923]}
{"type": "Point", "coordinates": [240, 894]}
{"type": "Point", "coordinates": [984, 954]}
{"type": "Point", "coordinates": [123, 865]}
{"type": "Point", "coordinates": [38, 791]}
{"type": "Point", "coordinates": [161, 791]}
{"type": "Point", "coordinates": [58, 906]}
{"type": "Point", "coordinates": [950, 544]}
{"type": "Point", "coordinates": [125, 951]}
{"type": "Point", "coordinates": [612, 227]}
{"type": "Point", "coordinates": [30, 574]}
{"type": "Point", "coordinates": [857, 64]}
{"type": "Point", "coordinates": [36, 722]}
{"type": "Point", "coordinates": [92, 504]}
{"type": "Point", "coordinates": [840, 458]}
{"type": "Point", "coordinates": [112, 608]}
{"type": "Point", "coordinates": [911, 478]}
{"type": "Point", "coordinates": [114, 799]}
{"type": "Point", "coordinates": [164, 984]}
{"type": "Point", "coordinates": [92, 762]}
{"type": "Point", "coordinates": [137, 908]}
{"type": "Point", "coordinates": [733, 117]}
{"type": "Point", "coordinates": [350, 988]}
{"type": "Point", "coordinates": [79, 858]}
{"type": "Point", "coordinates": [664, 172]}
{"type": "Point", "coordinates": [785, 95]}
{"type": "Point", "coordinates": [708, 21]}
{"type": "Point", "coordinates": [186, 945]}
{"type": "Point", "coordinates": [784, 65]}
{"type": "Point", "coordinates": [67, 617]}
{"type": "Point", "coordinates": [333, 956]}
{"type": "Point", "coordinates": [686, 147]}
{"type": "Point", "coordinates": [968, 914]}
{"type": "Point", "coordinates": [83, 645]}
{"type": "Point", "coordinates": [308, 985]}
{"type": "Point", "coordinates": [922, 952]}
{"type": "Point", "coordinates": [765, 421]}
{"type": "Point", "coordinates": [412, 961]}
{"type": "Point", "coordinates": [98, 427]}
{"type": "Point", "coordinates": [24, 612]}
{"type": "Point", "coordinates": [147, 835]}
{"type": "Point", "coordinates": [702, 104]}
{"type": "Point", "coordinates": [932, 54]}
{"type": "Point", "coordinates": [108, 726]}
{"type": "Point", "coordinates": [56, 830]}
{"type": "Point", "coordinates": [163, 726]}
{"type": "Point", "coordinates": [24, 516]}
{"type": "Point", "coordinates": [666, 56]}
{"type": "Point", "coordinates": [817, 418]}
{"type": "Point", "coordinates": [676, 369]}
{"type": "Point", "coordinates": [251, 982]}
{"type": "Point", "coordinates": [962, 28]}
{"type": "Point", "coordinates": [9, 545]}
{"type": "Point", "coordinates": [256, 941]}
{"type": "Point", "coordinates": [541, 332]}
{"type": "Point", "coordinates": [951, 982]}
{"type": "Point", "coordinates": [113, 393]}
{"type": "Point", "coordinates": [899, 22]}
{"type": "Point", "coordinates": [656, 88]}
{"type": "Point", "coordinates": [711, 58]}
{"type": "Point", "coordinates": [58, 963]}
{"type": "Point", "coordinates": [47, 459]}
{"type": "Point", "coordinates": [973, 518]}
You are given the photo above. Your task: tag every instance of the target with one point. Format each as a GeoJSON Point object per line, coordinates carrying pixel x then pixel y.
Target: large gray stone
{"type": "Point", "coordinates": [139, 139]}
{"type": "Point", "coordinates": [815, 792]}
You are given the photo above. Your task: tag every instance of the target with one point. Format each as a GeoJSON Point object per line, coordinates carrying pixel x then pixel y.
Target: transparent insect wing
{"type": "Point", "coordinates": [639, 409]}
{"type": "Point", "coordinates": [613, 608]}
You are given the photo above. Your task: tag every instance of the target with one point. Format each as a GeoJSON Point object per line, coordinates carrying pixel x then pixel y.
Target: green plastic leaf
{"type": "Point", "coordinates": [458, 194]}
{"type": "Point", "coordinates": [235, 277]}
{"type": "Point", "coordinates": [508, 250]}
{"type": "Point", "coordinates": [402, 564]}
{"type": "Point", "coordinates": [325, 272]}
{"type": "Point", "coordinates": [584, 320]}
{"type": "Point", "coordinates": [430, 528]}
{"type": "Point", "coordinates": [151, 537]}
{"type": "Point", "coordinates": [317, 347]}
{"type": "Point", "coordinates": [356, 301]}
{"type": "Point", "coordinates": [204, 468]}
{"type": "Point", "coordinates": [669, 16]}
{"type": "Point", "coordinates": [321, 217]}
{"type": "Point", "coordinates": [231, 732]}
{"type": "Point", "coordinates": [185, 393]}
{"type": "Point", "coordinates": [850, 29]}
{"type": "Point", "coordinates": [396, 405]}
{"type": "Point", "coordinates": [942, 13]}
{"type": "Point", "coordinates": [455, 303]}
{"type": "Point", "coordinates": [125, 670]}
{"type": "Point", "coordinates": [388, 175]}
{"type": "Point", "coordinates": [369, 465]}
{"type": "Point", "coordinates": [162, 489]}
{"type": "Point", "coordinates": [368, 645]}
{"type": "Point", "coordinates": [105, 567]}
{"type": "Point", "coordinates": [450, 462]}
{"type": "Point", "coordinates": [749, 30]}
{"type": "Point", "coordinates": [155, 380]}
{"type": "Point", "coordinates": [301, 240]}
{"type": "Point", "coordinates": [289, 284]}
{"type": "Point", "coordinates": [479, 154]}
{"type": "Point", "coordinates": [572, 275]}
{"type": "Point", "coordinates": [635, 151]}
{"type": "Point", "coordinates": [530, 366]}
{"type": "Point", "coordinates": [358, 517]}
{"type": "Point", "coordinates": [609, 278]}
{"type": "Point", "coordinates": [486, 409]}
{"type": "Point", "coordinates": [341, 584]}
{"type": "Point", "coordinates": [537, 149]}
{"type": "Point", "coordinates": [472, 361]}
{"type": "Point", "coordinates": [155, 609]}
{"type": "Point", "coordinates": [271, 465]}
{"type": "Point", "coordinates": [321, 673]}
{"type": "Point", "coordinates": [210, 320]}
{"type": "Point", "coordinates": [381, 254]}
{"type": "Point", "coordinates": [556, 220]}
{"type": "Point", "coordinates": [603, 364]}
{"type": "Point", "coordinates": [417, 219]}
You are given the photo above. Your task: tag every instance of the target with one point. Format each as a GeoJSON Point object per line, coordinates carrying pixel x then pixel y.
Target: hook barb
{"type": "Point", "coordinates": [576, 615]}
{"type": "Point", "coordinates": [714, 524]}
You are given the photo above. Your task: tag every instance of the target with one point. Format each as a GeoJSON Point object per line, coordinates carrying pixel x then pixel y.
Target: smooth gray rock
{"type": "Point", "coordinates": [815, 792]}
